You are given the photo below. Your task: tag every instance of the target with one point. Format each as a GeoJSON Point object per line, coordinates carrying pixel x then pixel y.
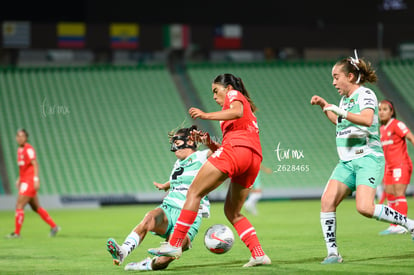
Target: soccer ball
{"type": "Point", "coordinates": [218, 238]}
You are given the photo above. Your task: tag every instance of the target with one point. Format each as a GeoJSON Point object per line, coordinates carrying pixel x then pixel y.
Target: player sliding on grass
{"type": "Point", "coordinates": [162, 219]}
{"type": "Point", "coordinates": [238, 158]}
{"type": "Point", "coordinates": [361, 165]}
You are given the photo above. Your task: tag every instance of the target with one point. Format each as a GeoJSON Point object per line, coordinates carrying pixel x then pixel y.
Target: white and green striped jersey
{"type": "Point", "coordinates": [354, 141]}
{"type": "Point", "coordinates": [181, 178]}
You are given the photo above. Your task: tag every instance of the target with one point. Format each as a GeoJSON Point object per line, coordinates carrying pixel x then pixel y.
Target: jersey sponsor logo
{"type": "Point", "coordinates": [232, 95]}
{"type": "Point", "coordinates": [344, 132]}
{"type": "Point", "coordinates": [402, 127]}
{"type": "Point", "coordinates": [359, 151]}
{"type": "Point", "coordinates": [20, 162]}
{"type": "Point", "coordinates": [369, 102]}
{"type": "Point", "coordinates": [31, 153]}
{"type": "Point", "coordinates": [387, 142]}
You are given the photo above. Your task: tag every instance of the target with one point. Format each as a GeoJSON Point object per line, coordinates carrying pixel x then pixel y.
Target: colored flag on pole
{"type": "Point", "coordinates": [124, 35]}
{"type": "Point", "coordinates": [71, 34]}
{"type": "Point", "coordinates": [176, 36]}
{"type": "Point", "coordinates": [16, 34]}
{"type": "Point", "coordinates": [228, 36]}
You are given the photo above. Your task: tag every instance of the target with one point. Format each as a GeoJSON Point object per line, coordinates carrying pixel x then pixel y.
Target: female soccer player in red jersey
{"type": "Point", "coordinates": [28, 183]}
{"type": "Point", "coordinates": [238, 158]}
{"type": "Point", "coordinates": [398, 165]}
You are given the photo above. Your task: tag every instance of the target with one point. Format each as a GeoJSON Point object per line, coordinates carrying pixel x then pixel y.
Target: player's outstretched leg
{"type": "Point", "coordinates": [118, 255]}
{"type": "Point", "coordinates": [143, 265]}
{"type": "Point", "coordinates": [166, 250]}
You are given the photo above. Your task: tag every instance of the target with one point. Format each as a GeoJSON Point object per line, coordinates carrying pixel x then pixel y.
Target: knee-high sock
{"type": "Point", "coordinates": [328, 223]}
{"type": "Point", "coordinates": [184, 222]}
{"type": "Point", "coordinates": [131, 242]}
{"type": "Point", "coordinates": [248, 235]}
{"type": "Point", "coordinates": [391, 202]}
{"type": "Point", "coordinates": [45, 216]}
{"type": "Point", "coordinates": [18, 220]}
{"type": "Point", "coordinates": [387, 214]}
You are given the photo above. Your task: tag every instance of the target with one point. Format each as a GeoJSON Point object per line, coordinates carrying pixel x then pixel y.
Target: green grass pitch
{"type": "Point", "coordinates": [289, 231]}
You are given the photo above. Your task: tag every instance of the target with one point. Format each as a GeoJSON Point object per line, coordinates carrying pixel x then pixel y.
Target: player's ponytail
{"type": "Point", "coordinates": [361, 69]}
{"type": "Point", "coordinates": [237, 83]}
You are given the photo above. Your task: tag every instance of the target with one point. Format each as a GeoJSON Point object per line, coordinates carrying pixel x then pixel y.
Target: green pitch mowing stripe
{"type": "Point", "coordinates": [288, 230]}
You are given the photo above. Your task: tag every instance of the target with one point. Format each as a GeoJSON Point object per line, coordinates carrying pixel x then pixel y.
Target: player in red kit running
{"type": "Point", "coordinates": [398, 165]}
{"type": "Point", "coordinates": [238, 158]}
{"type": "Point", "coordinates": [28, 183]}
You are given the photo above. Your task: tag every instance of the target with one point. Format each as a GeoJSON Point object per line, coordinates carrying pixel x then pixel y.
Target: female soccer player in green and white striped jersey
{"type": "Point", "coordinates": [161, 220]}
{"type": "Point", "coordinates": [361, 164]}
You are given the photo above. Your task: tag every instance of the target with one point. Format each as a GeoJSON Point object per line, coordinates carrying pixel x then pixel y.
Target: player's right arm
{"type": "Point", "coordinates": [410, 137]}
{"type": "Point", "coordinates": [317, 100]}
{"type": "Point", "coordinates": [18, 182]}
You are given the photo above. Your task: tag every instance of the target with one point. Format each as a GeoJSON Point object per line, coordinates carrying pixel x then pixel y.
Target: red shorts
{"type": "Point", "coordinates": [398, 175]}
{"type": "Point", "coordinates": [241, 164]}
{"type": "Point", "coordinates": [27, 189]}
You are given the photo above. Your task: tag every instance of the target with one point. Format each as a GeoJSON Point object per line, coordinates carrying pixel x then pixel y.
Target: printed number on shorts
{"type": "Point", "coordinates": [396, 173]}
{"type": "Point", "coordinates": [23, 186]}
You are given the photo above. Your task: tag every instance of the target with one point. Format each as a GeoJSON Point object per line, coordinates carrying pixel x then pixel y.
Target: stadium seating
{"type": "Point", "coordinates": [400, 73]}
{"type": "Point", "coordinates": [103, 130]}
{"type": "Point", "coordinates": [97, 130]}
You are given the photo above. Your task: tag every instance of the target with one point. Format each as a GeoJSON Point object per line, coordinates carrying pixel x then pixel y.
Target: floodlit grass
{"type": "Point", "coordinates": [288, 230]}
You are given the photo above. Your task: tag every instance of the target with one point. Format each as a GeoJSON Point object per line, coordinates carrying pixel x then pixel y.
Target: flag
{"type": "Point", "coordinates": [176, 36]}
{"type": "Point", "coordinates": [16, 34]}
{"type": "Point", "coordinates": [71, 34]}
{"type": "Point", "coordinates": [124, 35]}
{"type": "Point", "coordinates": [228, 36]}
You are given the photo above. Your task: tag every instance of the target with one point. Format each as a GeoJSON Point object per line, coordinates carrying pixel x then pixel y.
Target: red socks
{"type": "Point", "coordinates": [398, 203]}
{"type": "Point", "coordinates": [18, 220]}
{"type": "Point", "coordinates": [401, 205]}
{"type": "Point", "coordinates": [184, 222]}
{"type": "Point", "coordinates": [248, 235]}
{"type": "Point", "coordinates": [45, 216]}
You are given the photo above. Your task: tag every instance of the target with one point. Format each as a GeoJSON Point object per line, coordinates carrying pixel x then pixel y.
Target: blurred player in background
{"type": "Point", "coordinates": [398, 165]}
{"type": "Point", "coordinates": [238, 158]}
{"type": "Point", "coordinates": [28, 184]}
{"type": "Point", "coordinates": [361, 165]}
{"type": "Point", "coordinates": [161, 220]}
{"type": "Point", "coordinates": [256, 192]}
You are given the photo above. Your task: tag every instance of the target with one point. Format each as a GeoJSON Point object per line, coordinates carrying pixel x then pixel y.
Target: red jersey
{"type": "Point", "coordinates": [394, 143]}
{"type": "Point", "coordinates": [243, 131]}
{"type": "Point", "coordinates": [25, 155]}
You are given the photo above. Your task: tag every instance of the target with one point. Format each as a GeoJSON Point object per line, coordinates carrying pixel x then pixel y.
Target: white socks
{"type": "Point", "coordinates": [253, 198]}
{"type": "Point", "coordinates": [328, 223]}
{"type": "Point", "coordinates": [387, 214]}
{"type": "Point", "coordinates": [131, 242]}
